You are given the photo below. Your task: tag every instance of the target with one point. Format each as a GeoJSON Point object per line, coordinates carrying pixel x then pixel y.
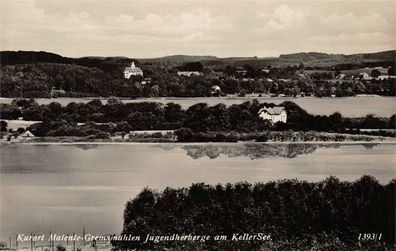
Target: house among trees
{"type": "Point", "coordinates": [273, 114]}
{"type": "Point", "coordinates": [146, 81]}
{"type": "Point", "coordinates": [132, 71]}
{"type": "Point", "coordinates": [188, 73]}
{"type": "Point", "coordinates": [27, 134]}
{"type": "Point", "coordinates": [385, 77]}
{"type": "Point", "coordinates": [364, 75]}
{"type": "Point", "coordinates": [216, 90]}
{"type": "Point", "coordinates": [56, 92]}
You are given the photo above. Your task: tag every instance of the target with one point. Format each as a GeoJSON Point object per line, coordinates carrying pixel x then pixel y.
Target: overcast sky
{"type": "Point", "coordinates": [221, 28]}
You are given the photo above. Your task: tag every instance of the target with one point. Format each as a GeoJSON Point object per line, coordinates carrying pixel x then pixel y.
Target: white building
{"type": "Point", "coordinates": [216, 90]}
{"type": "Point", "coordinates": [188, 73]}
{"type": "Point", "coordinates": [274, 114]}
{"type": "Point", "coordinates": [27, 134]}
{"type": "Point", "coordinates": [132, 71]}
{"type": "Point", "coordinates": [384, 77]}
{"type": "Point", "coordinates": [364, 75]}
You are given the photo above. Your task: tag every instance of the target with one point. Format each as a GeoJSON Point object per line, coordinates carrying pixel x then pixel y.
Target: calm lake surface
{"type": "Point", "coordinates": [62, 188]}
{"type": "Point", "coordinates": [347, 106]}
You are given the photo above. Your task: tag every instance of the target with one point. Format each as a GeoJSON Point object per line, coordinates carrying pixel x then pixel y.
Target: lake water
{"type": "Point", "coordinates": [347, 106]}
{"type": "Point", "coordinates": [62, 188]}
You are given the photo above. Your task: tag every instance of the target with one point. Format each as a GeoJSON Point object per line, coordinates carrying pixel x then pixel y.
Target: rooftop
{"type": "Point", "coordinates": [272, 110]}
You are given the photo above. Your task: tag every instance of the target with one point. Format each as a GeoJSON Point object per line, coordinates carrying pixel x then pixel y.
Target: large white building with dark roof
{"type": "Point", "coordinates": [273, 114]}
{"type": "Point", "coordinates": [132, 71]}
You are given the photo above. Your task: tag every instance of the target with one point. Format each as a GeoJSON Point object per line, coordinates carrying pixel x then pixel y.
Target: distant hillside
{"type": "Point", "coordinates": [113, 64]}
{"type": "Point", "coordinates": [311, 56]}
{"type": "Point", "coordinates": [384, 56]}
{"type": "Point", "coordinates": [31, 57]}
{"type": "Point", "coordinates": [178, 59]}
{"type": "Point", "coordinates": [324, 59]}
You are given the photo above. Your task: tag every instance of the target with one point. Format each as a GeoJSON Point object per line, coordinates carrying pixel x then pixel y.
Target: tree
{"type": "Point", "coordinates": [3, 126]}
{"type": "Point", "coordinates": [196, 116]}
{"type": "Point", "coordinates": [21, 130]}
{"type": "Point", "coordinates": [173, 112]}
{"type": "Point", "coordinates": [230, 70]}
{"type": "Point", "coordinates": [251, 72]}
{"type": "Point", "coordinates": [184, 134]}
{"type": "Point", "coordinates": [375, 73]}
{"type": "Point", "coordinates": [113, 101]}
{"type": "Point", "coordinates": [60, 248]}
{"type": "Point", "coordinates": [391, 70]}
{"type": "Point", "coordinates": [392, 122]}
{"type": "Point", "coordinates": [192, 66]}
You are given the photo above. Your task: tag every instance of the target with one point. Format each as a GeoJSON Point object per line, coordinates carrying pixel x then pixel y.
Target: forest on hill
{"type": "Point", "coordinates": [44, 75]}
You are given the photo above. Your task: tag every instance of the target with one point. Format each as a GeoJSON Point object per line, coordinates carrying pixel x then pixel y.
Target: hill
{"type": "Point", "coordinates": [178, 59]}
{"type": "Point", "coordinates": [314, 59]}
{"type": "Point", "coordinates": [107, 64]}
{"type": "Point", "coordinates": [324, 59]}
{"type": "Point", "coordinates": [31, 57]}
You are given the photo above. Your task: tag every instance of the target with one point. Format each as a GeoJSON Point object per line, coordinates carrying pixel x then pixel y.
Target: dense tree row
{"type": "Point", "coordinates": [116, 116]}
{"type": "Point", "coordinates": [327, 215]}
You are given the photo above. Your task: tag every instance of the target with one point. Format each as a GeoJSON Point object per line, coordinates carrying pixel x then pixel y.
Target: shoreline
{"type": "Point", "coordinates": [6, 100]}
{"type": "Point", "coordinates": [346, 142]}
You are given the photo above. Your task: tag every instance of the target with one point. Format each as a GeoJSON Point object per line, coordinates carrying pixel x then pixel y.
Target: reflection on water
{"type": "Point", "coordinates": [63, 188]}
{"type": "Point", "coordinates": [87, 146]}
{"type": "Point", "coordinates": [252, 150]}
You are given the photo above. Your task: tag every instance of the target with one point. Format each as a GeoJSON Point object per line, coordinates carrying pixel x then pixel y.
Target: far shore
{"type": "Point", "coordinates": [346, 142]}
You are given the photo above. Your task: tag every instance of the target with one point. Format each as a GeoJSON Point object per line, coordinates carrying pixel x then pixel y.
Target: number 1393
{"type": "Point", "coordinates": [370, 236]}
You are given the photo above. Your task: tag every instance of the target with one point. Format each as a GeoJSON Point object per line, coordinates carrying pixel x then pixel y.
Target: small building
{"type": "Point", "coordinates": [216, 88]}
{"type": "Point", "coordinates": [188, 73]}
{"type": "Point", "coordinates": [216, 91]}
{"type": "Point", "coordinates": [364, 75]}
{"type": "Point", "coordinates": [240, 72]}
{"type": "Point", "coordinates": [146, 81]}
{"type": "Point", "coordinates": [132, 71]}
{"type": "Point", "coordinates": [56, 92]}
{"type": "Point", "coordinates": [273, 114]}
{"type": "Point", "coordinates": [27, 134]}
{"type": "Point", "coordinates": [385, 77]}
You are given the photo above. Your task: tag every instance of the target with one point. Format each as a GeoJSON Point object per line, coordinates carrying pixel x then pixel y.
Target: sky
{"type": "Point", "coordinates": [142, 29]}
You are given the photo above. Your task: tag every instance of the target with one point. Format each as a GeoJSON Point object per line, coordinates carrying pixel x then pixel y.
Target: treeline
{"type": "Point", "coordinates": [69, 80]}
{"type": "Point", "coordinates": [116, 116]}
{"type": "Point", "coordinates": [326, 215]}
{"type": "Point", "coordinates": [96, 77]}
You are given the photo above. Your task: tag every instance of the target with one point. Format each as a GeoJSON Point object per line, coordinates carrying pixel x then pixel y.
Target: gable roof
{"type": "Point", "coordinates": [27, 134]}
{"type": "Point", "coordinates": [277, 110]}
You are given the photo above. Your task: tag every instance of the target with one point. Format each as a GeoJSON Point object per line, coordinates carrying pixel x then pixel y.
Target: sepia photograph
{"type": "Point", "coordinates": [197, 125]}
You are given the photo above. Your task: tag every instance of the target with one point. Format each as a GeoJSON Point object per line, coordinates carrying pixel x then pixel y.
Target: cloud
{"type": "Point", "coordinates": [282, 17]}
{"type": "Point", "coordinates": [155, 28]}
{"type": "Point", "coordinates": [27, 22]}
{"type": "Point", "coordinates": [308, 29]}
{"type": "Point", "coordinates": [354, 23]}
{"type": "Point", "coordinates": [187, 23]}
